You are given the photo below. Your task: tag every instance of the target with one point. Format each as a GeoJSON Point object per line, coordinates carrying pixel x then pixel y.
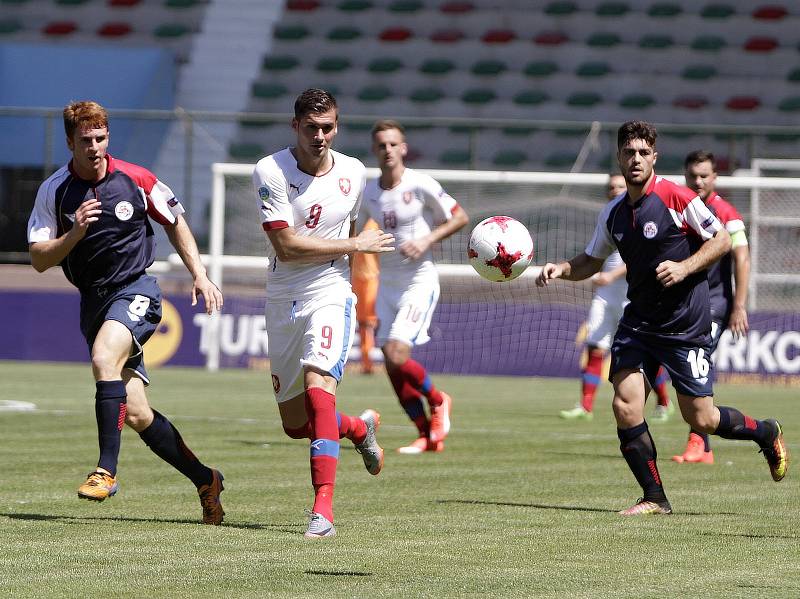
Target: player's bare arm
{"type": "Point", "coordinates": [739, 324]}
{"type": "Point", "coordinates": [291, 247]}
{"type": "Point", "coordinates": [416, 248]}
{"type": "Point", "coordinates": [181, 238]}
{"type": "Point", "coordinates": [671, 273]}
{"type": "Point", "coordinates": [601, 279]}
{"type": "Point", "coordinates": [46, 254]}
{"type": "Point", "coordinates": [579, 268]}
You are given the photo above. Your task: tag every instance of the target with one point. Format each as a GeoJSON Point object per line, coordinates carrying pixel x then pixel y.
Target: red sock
{"type": "Point", "coordinates": [591, 377]}
{"type": "Point", "coordinates": [321, 408]}
{"type": "Point", "coordinates": [418, 377]}
{"type": "Point", "coordinates": [351, 427]}
{"type": "Point", "coordinates": [660, 387]}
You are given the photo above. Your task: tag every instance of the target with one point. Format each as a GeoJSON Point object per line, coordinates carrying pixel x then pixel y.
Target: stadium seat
{"type": "Point", "coordinates": [437, 66]}
{"type": "Point", "coordinates": [171, 30]}
{"type": "Point", "coordinates": [637, 101]}
{"type": "Point", "coordinates": [406, 6]}
{"type": "Point", "coordinates": [560, 160]}
{"type": "Point", "coordinates": [290, 33]}
{"type": "Point", "coordinates": [8, 26]}
{"type": "Point", "coordinates": [354, 5]}
{"type": "Point", "coordinates": [670, 163]}
{"type": "Point", "coordinates": [374, 93]}
{"type": "Point", "coordinates": [699, 72]}
{"type": "Point", "coordinates": [181, 3]}
{"type": "Point", "coordinates": [593, 69]}
{"type": "Point", "coordinates": [302, 5]}
{"type": "Point", "coordinates": [770, 13]}
{"type": "Point", "coordinates": [664, 9]}
{"type": "Point", "coordinates": [481, 95]}
{"type": "Point", "coordinates": [269, 90]}
{"type": "Point", "coordinates": [395, 34]}
{"type": "Point", "coordinates": [359, 152]}
{"type": "Point", "coordinates": [540, 68]}
{"type": "Point", "coordinates": [708, 43]}
{"type": "Point", "coordinates": [74, 2]}
{"type": "Point", "coordinates": [457, 8]}
{"type": "Point", "coordinates": [113, 3]}
{"type": "Point", "coordinates": [333, 64]}
{"type": "Point", "coordinates": [761, 44]}
{"type": "Point", "coordinates": [656, 42]}
{"type": "Point", "coordinates": [60, 28]}
{"type": "Point", "coordinates": [455, 157]}
{"type": "Point", "coordinates": [603, 40]}
{"type": "Point", "coordinates": [584, 99]}
{"type": "Point", "coordinates": [246, 151]}
{"type": "Point", "coordinates": [530, 97]}
{"type": "Point", "coordinates": [387, 64]}
{"type": "Point", "coordinates": [793, 76]}
{"type": "Point", "coordinates": [690, 102]}
{"type": "Point", "coordinates": [279, 63]}
{"type": "Point", "coordinates": [550, 38]}
{"type": "Point", "coordinates": [498, 36]}
{"type": "Point", "coordinates": [743, 103]}
{"type": "Point", "coordinates": [115, 29]}
{"type": "Point", "coordinates": [560, 8]}
{"type": "Point", "coordinates": [519, 131]}
{"type": "Point", "coordinates": [612, 9]}
{"type": "Point", "coordinates": [509, 158]}
{"type": "Point", "coordinates": [717, 11]}
{"type": "Point", "coordinates": [344, 33]}
{"type": "Point", "coordinates": [488, 68]}
{"type": "Point", "coordinates": [425, 95]}
{"type": "Point", "coordinates": [791, 104]}
{"type": "Point", "coordinates": [447, 36]}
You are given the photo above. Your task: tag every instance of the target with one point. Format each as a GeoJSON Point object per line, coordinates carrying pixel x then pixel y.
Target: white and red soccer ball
{"type": "Point", "coordinates": [500, 248]}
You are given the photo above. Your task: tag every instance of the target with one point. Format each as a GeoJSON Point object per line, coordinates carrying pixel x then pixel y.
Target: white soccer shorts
{"type": "Point", "coordinates": [317, 332]}
{"type": "Point", "coordinates": [405, 313]}
{"type": "Point", "coordinates": [601, 324]}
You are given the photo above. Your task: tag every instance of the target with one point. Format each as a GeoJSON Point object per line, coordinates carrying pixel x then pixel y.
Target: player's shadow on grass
{"type": "Point", "coordinates": [578, 454]}
{"type": "Point", "coordinates": [568, 508]}
{"type": "Point", "coordinates": [336, 573]}
{"type": "Point", "coordinates": [266, 442]}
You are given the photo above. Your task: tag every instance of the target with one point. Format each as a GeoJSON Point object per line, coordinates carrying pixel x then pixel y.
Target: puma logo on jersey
{"type": "Point", "coordinates": [295, 187]}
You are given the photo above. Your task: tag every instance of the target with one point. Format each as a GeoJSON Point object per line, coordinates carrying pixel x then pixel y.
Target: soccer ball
{"type": "Point", "coordinates": [500, 248]}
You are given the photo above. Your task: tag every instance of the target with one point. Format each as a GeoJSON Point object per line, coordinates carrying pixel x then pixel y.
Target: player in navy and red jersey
{"type": "Point", "coordinates": [667, 238]}
{"type": "Point", "coordinates": [728, 306]}
{"type": "Point", "coordinates": [92, 217]}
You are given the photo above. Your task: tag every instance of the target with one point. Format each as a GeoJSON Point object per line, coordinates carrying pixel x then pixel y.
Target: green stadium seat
{"type": "Point", "coordinates": [79, 2]}
{"type": "Point", "coordinates": [603, 40]}
{"type": "Point", "coordinates": [406, 6]}
{"type": "Point", "coordinates": [426, 94]}
{"type": "Point", "coordinates": [374, 93]}
{"type": "Point", "coordinates": [171, 30]}
{"type": "Point", "coordinates": [793, 76]}
{"type": "Point", "coordinates": [488, 68]}
{"type": "Point", "coordinates": [790, 104]}
{"type": "Point", "coordinates": [783, 138]}
{"type": "Point", "coordinates": [478, 96]}
{"type": "Point", "coordinates": [359, 126]}
{"type": "Point", "coordinates": [395, 34]}
{"type": "Point", "coordinates": [670, 163]}
{"type": "Point", "coordinates": [612, 9]}
{"type": "Point", "coordinates": [637, 101]}
{"type": "Point", "coordinates": [181, 3]}
{"type": "Point", "coordinates": [530, 97]}
{"type": "Point", "coordinates": [344, 33]}
{"type": "Point", "coordinates": [455, 157]}
{"type": "Point", "coordinates": [708, 43]}
{"type": "Point", "coordinates": [509, 158]}
{"type": "Point", "coordinates": [386, 64]}
{"type": "Point", "coordinates": [15, 2]}
{"type": "Point", "coordinates": [8, 26]}
{"type": "Point", "coordinates": [699, 72]}
{"type": "Point", "coordinates": [540, 68]}
{"type": "Point", "coordinates": [664, 9]}
{"type": "Point", "coordinates": [359, 152]}
{"type": "Point", "coordinates": [437, 66]}
{"type": "Point", "coordinates": [269, 91]}
{"type": "Point", "coordinates": [560, 160]}
{"type": "Point", "coordinates": [770, 13]}
{"type": "Point", "coordinates": [560, 8]}
{"type": "Point", "coordinates": [333, 64]}
{"type": "Point", "coordinates": [656, 42]}
{"type": "Point", "coordinates": [246, 151]}
{"type": "Point", "coordinates": [717, 11]}
{"type": "Point", "coordinates": [354, 5]}
{"type": "Point", "coordinates": [279, 63]}
{"type": "Point", "coordinates": [570, 132]}
{"type": "Point", "coordinates": [519, 131]}
{"type": "Point", "coordinates": [584, 99]}
{"type": "Point", "coordinates": [254, 124]}
{"type": "Point", "coordinates": [289, 33]}
{"type": "Point", "coordinates": [593, 69]}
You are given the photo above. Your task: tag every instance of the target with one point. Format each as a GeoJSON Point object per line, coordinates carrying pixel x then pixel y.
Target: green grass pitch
{"type": "Point", "coordinates": [521, 503]}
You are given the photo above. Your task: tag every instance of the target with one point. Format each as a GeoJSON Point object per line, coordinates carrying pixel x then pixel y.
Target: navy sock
{"type": "Point", "coordinates": [165, 441]}
{"type": "Point", "coordinates": [704, 437]}
{"type": "Point", "coordinates": [109, 409]}
{"type": "Point", "coordinates": [639, 451]}
{"type": "Point", "coordinates": [735, 425]}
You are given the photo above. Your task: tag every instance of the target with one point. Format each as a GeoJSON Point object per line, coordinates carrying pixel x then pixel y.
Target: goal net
{"type": "Point", "coordinates": [509, 328]}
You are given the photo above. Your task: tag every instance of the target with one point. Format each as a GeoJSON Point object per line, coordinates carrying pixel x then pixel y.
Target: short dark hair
{"type": "Point", "coordinates": [386, 124]}
{"type": "Point", "coordinates": [314, 100]}
{"type": "Point", "coordinates": [700, 156]}
{"type": "Point", "coordinates": [636, 130]}
{"type": "Point", "coordinates": [84, 114]}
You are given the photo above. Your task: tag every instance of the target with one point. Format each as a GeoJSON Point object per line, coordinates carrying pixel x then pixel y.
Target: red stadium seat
{"type": "Point", "coordinates": [761, 44]}
{"type": "Point", "coordinates": [550, 38]}
{"type": "Point", "coordinates": [395, 34]}
{"type": "Point", "coordinates": [114, 29]}
{"type": "Point", "coordinates": [770, 13]}
{"type": "Point", "coordinates": [498, 36]}
{"type": "Point", "coordinates": [116, 3]}
{"type": "Point", "coordinates": [447, 36]}
{"type": "Point", "coordinates": [60, 28]}
{"type": "Point", "coordinates": [457, 8]}
{"type": "Point", "coordinates": [743, 103]}
{"type": "Point", "coordinates": [690, 102]}
{"type": "Point", "coordinates": [302, 5]}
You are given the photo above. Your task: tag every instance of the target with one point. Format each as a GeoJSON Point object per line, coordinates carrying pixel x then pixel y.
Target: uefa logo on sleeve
{"type": "Point", "coordinates": [650, 229]}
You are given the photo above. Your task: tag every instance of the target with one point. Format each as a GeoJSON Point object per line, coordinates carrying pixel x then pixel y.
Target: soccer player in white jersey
{"type": "Point", "coordinates": [419, 212]}
{"type": "Point", "coordinates": [309, 197]}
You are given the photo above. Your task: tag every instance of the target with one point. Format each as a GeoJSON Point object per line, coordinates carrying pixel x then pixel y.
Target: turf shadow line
{"type": "Point", "coordinates": [336, 573]}
{"type": "Point", "coordinates": [575, 454]}
{"type": "Point", "coordinates": [290, 528]}
{"type": "Point", "coordinates": [750, 536]}
{"type": "Point", "coordinates": [569, 508]}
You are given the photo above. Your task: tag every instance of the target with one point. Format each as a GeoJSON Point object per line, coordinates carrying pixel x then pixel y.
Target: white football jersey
{"type": "Point", "coordinates": [616, 292]}
{"type": "Point", "coordinates": [409, 210]}
{"type": "Point", "coordinates": [316, 206]}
